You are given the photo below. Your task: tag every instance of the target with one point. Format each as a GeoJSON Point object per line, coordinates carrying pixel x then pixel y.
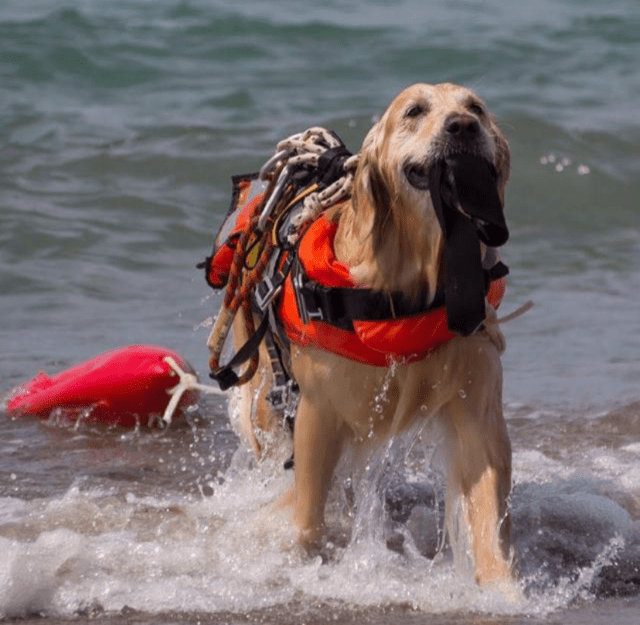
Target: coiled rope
{"type": "Point", "coordinates": [303, 149]}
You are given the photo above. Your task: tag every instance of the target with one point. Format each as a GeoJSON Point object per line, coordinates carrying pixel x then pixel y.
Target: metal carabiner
{"type": "Point", "coordinates": [271, 163]}
{"type": "Point", "coordinates": [273, 198]}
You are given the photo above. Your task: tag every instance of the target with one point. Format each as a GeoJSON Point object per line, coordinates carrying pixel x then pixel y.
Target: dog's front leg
{"type": "Point", "coordinates": [318, 440]}
{"type": "Point", "coordinates": [479, 480]}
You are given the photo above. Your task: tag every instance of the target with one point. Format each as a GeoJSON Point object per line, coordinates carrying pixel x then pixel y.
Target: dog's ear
{"type": "Point", "coordinates": [379, 193]}
{"type": "Point", "coordinates": [374, 196]}
{"type": "Point", "coordinates": [368, 180]}
{"type": "Point", "coordinates": [371, 203]}
{"type": "Point", "coordinates": [503, 161]}
{"type": "Point", "coordinates": [373, 185]}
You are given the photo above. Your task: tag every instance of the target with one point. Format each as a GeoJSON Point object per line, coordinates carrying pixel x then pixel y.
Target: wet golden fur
{"type": "Point", "coordinates": [389, 236]}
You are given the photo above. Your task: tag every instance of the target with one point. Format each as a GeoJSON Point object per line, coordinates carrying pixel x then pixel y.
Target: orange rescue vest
{"type": "Point", "coordinates": [371, 342]}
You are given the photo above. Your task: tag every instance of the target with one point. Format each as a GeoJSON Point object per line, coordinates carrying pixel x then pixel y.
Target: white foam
{"type": "Point", "coordinates": [30, 572]}
{"type": "Point", "coordinates": [531, 465]}
{"type": "Point", "coordinates": [633, 448]}
{"type": "Point", "coordinates": [232, 551]}
{"type": "Point", "coordinates": [235, 551]}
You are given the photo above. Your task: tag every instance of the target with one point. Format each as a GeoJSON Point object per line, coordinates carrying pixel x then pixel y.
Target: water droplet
{"type": "Point", "coordinates": [583, 170]}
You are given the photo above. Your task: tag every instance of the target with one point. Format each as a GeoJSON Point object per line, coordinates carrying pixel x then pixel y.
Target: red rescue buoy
{"type": "Point", "coordinates": [125, 387]}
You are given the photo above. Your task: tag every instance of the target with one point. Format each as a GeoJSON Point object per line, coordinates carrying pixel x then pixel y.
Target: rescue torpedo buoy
{"type": "Point", "coordinates": [125, 387]}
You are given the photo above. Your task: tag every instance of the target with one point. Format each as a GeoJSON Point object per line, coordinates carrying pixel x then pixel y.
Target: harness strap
{"type": "Point", "coordinates": [225, 376]}
{"type": "Point", "coordinates": [280, 377]}
{"type": "Point", "coordinates": [340, 306]}
{"type": "Point", "coordinates": [331, 164]}
{"type": "Point", "coordinates": [495, 272]}
{"type": "Point", "coordinates": [264, 293]}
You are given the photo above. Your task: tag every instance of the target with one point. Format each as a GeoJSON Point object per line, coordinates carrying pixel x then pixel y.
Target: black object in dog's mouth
{"type": "Point", "coordinates": [467, 183]}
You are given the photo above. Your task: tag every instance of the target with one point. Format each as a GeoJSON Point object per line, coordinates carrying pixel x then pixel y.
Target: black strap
{"type": "Point", "coordinates": [331, 165]}
{"type": "Point", "coordinates": [225, 376]}
{"type": "Point", "coordinates": [497, 271]}
{"type": "Point", "coordinates": [341, 306]}
{"type": "Point", "coordinates": [464, 284]}
{"type": "Point", "coordinates": [474, 186]}
{"type": "Point", "coordinates": [264, 293]}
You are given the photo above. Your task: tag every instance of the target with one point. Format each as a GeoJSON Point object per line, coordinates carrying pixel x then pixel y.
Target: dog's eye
{"type": "Point", "coordinates": [414, 111]}
{"type": "Point", "coordinates": [474, 107]}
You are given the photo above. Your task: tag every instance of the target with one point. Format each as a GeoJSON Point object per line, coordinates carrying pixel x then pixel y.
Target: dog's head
{"type": "Point", "coordinates": [433, 140]}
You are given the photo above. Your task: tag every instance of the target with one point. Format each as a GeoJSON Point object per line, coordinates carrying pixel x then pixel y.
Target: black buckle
{"type": "Point", "coordinates": [226, 377]}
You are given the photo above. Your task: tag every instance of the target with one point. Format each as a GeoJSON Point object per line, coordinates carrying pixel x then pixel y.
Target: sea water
{"type": "Point", "coordinates": [122, 122]}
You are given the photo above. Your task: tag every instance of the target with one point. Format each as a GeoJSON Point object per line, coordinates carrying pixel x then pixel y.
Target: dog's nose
{"type": "Point", "coordinates": [462, 126]}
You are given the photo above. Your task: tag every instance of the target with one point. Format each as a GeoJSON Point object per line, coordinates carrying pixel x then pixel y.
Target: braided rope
{"type": "Point", "coordinates": [237, 290]}
{"type": "Point", "coordinates": [300, 149]}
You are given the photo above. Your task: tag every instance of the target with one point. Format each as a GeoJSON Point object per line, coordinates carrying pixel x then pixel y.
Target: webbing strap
{"type": "Point", "coordinates": [264, 293]}
{"type": "Point", "coordinates": [340, 306]}
{"type": "Point", "coordinates": [468, 211]}
{"type": "Point", "coordinates": [225, 376]}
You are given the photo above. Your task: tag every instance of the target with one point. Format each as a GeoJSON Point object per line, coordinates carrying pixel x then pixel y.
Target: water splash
{"type": "Point", "coordinates": [381, 399]}
{"type": "Point", "coordinates": [225, 546]}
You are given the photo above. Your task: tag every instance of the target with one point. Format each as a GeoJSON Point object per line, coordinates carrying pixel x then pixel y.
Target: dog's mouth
{"type": "Point", "coordinates": [466, 183]}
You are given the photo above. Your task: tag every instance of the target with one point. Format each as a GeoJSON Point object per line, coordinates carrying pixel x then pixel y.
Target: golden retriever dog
{"type": "Point", "coordinates": [390, 237]}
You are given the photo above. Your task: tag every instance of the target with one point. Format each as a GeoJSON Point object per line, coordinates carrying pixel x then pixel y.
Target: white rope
{"type": "Point", "coordinates": [188, 382]}
{"type": "Point", "coordinates": [302, 148]}
{"type": "Point", "coordinates": [305, 159]}
{"type": "Point", "coordinates": [526, 307]}
{"type": "Point", "coordinates": [306, 148]}
{"type": "Point", "coordinates": [339, 190]}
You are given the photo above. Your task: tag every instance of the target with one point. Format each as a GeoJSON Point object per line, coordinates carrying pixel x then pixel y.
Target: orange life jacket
{"type": "Point", "coordinates": [371, 342]}
{"type": "Point", "coordinates": [377, 342]}
{"type": "Point", "coordinates": [248, 193]}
